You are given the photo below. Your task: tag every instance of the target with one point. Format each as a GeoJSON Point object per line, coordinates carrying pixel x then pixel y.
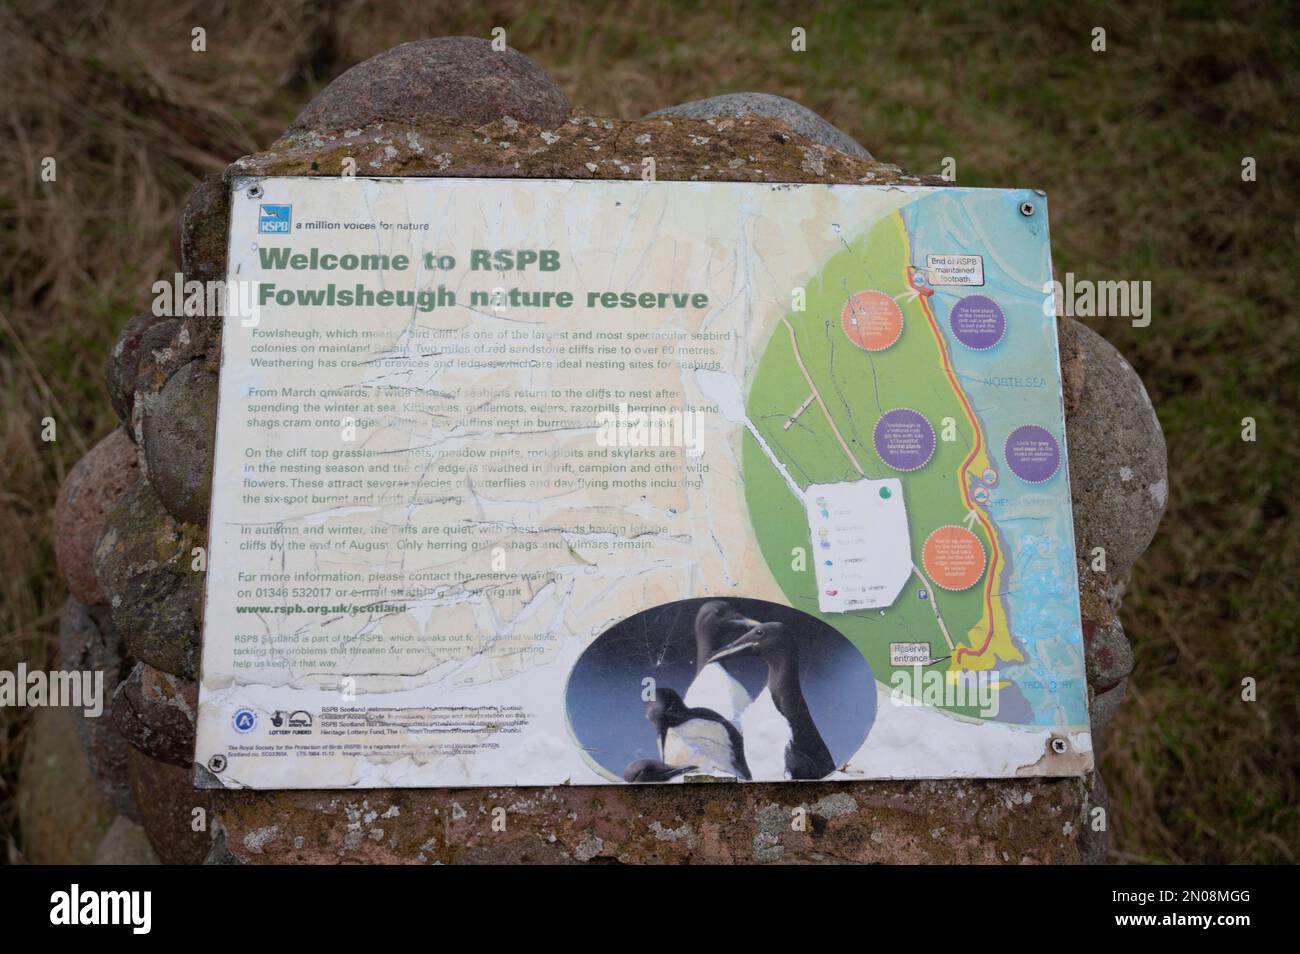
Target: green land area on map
{"type": "Point", "coordinates": [857, 387]}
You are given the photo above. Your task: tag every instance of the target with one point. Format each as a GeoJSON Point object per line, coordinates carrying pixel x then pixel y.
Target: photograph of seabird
{"type": "Point", "coordinates": [700, 736]}
{"type": "Point", "coordinates": [720, 689]}
{"type": "Point", "coordinates": [716, 624]}
{"type": "Point", "coordinates": [653, 770]}
{"type": "Point", "coordinates": [779, 732]}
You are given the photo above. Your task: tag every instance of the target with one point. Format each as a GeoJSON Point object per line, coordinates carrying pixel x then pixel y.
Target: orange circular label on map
{"type": "Point", "coordinates": [872, 320]}
{"type": "Point", "coordinates": [953, 558]}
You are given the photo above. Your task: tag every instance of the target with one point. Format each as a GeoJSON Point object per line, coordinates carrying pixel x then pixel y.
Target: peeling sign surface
{"type": "Point", "coordinates": [538, 482]}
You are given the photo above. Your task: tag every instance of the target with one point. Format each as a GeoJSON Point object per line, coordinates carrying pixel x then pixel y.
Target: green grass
{"type": "Point", "coordinates": [1139, 147]}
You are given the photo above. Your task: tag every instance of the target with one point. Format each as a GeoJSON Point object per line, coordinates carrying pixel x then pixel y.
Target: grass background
{"type": "Point", "coordinates": [1139, 147]}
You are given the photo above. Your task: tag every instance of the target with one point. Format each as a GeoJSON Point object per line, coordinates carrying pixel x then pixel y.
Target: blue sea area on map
{"type": "Point", "coordinates": [1014, 383]}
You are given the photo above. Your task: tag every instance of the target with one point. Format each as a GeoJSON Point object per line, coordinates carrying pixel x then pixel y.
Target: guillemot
{"type": "Point", "coordinates": [652, 770]}
{"type": "Point", "coordinates": [695, 736]}
{"type": "Point", "coordinates": [781, 739]}
{"type": "Point", "coordinates": [716, 624]}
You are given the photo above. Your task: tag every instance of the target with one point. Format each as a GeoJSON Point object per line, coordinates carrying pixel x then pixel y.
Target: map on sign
{"type": "Point", "coordinates": [955, 391]}
{"type": "Point", "coordinates": [548, 482]}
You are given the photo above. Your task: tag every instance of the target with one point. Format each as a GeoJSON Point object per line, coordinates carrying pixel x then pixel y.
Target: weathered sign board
{"type": "Point", "coordinates": [533, 482]}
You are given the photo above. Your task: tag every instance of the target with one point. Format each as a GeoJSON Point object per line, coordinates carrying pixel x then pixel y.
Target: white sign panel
{"type": "Point", "coordinates": [547, 482]}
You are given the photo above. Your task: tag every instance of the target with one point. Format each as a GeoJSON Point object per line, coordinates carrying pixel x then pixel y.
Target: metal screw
{"type": "Point", "coordinates": [1026, 208]}
{"type": "Point", "coordinates": [256, 192]}
{"type": "Point", "coordinates": [1059, 746]}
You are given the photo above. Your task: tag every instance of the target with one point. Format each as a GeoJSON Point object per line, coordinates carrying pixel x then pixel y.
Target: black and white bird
{"type": "Point", "coordinates": [652, 770]}
{"type": "Point", "coordinates": [695, 736]}
{"type": "Point", "coordinates": [716, 624]}
{"type": "Point", "coordinates": [781, 739]}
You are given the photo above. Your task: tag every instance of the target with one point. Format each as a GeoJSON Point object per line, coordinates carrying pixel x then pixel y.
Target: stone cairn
{"type": "Point", "coordinates": [134, 509]}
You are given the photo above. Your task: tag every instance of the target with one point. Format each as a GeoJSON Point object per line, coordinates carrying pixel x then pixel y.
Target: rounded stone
{"type": "Point", "coordinates": [60, 811]}
{"type": "Point", "coordinates": [801, 119]}
{"type": "Point", "coordinates": [1108, 654]}
{"type": "Point", "coordinates": [220, 854]}
{"type": "Point", "coordinates": [144, 560]}
{"type": "Point", "coordinates": [166, 348]}
{"type": "Point", "coordinates": [91, 490]}
{"type": "Point", "coordinates": [155, 360]}
{"type": "Point", "coordinates": [123, 362]}
{"type": "Point", "coordinates": [1118, 466]}
{"type": "Point", "coordinates": [178, 432]}
{"type": "Point", "coordinates": [749, 149]}
{"type": "Point", "coordinates": [1095, 605]}
{"type": "Point", "coordinates": [452, 78]}
{"type": "Point", "coordinates": [1067, 341]}
{"type": "Point", "coordinates": [155, 712]}
{"type": "Point", "coordinates": [88, 642]}
{"type": "Point", "coordinates": [203, 231]}
{"type": "Point", "coordinates": [1101, 710]}
{"type": "Point", "coordinates": [167, 800]}
{"type": "Point", "coordinates": [125, 844]}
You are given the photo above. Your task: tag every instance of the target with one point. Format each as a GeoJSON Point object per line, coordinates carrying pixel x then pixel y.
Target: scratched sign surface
{"type": "Point", "coordinates": [547, 482]}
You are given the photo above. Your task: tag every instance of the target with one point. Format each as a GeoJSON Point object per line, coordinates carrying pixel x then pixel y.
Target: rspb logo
{"type": "Point", "coordinates": [275, 219]}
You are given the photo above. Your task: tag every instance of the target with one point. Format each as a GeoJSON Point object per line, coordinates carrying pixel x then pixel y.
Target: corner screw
{"type": "Point", "coordinates": [1026, 208]}
{"type": "Point", "coordinates": [256, 193]}
{"type": "Point", "coordinates": [1059, 746]}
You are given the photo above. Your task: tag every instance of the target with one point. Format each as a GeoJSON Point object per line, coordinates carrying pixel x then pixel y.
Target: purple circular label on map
{"type": "Point", "coordinates": [904, 439]}
{"type": "Point", "coordinates": [1033, 454]}
{"type": "Point", "coordinates": [978, 322]}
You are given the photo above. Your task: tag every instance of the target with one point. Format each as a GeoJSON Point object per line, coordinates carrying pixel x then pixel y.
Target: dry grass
{"type": "Point", "coordinates": [1140, 149]}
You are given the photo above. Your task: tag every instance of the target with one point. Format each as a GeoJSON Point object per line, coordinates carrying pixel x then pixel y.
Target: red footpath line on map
{"type": "Point", "coordinates": [923, 297]}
